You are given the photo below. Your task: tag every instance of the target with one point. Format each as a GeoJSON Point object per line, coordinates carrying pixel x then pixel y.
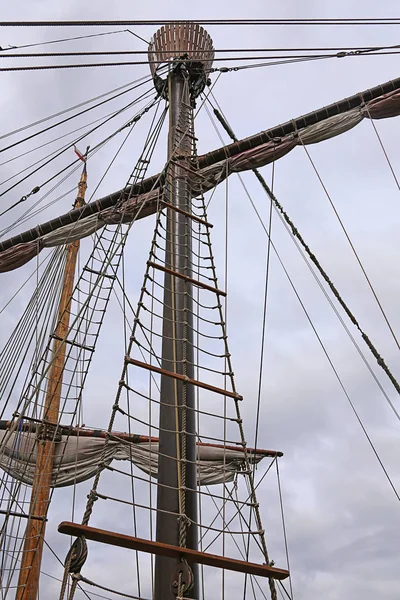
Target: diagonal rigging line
{"type": "Point", "coordinates": [85, 303]}
{"type": "Point", "coordinates": [263, 320]}
{"type": "Point", "coordinates": [239, 511]}
{"type": "Point", "coordinates": [284, 526]}
{"type": "Point", "coordinates": [70, 39]}
{"type": "Point", "coordinates": [131, 122]}
{"type": "Point", "coordinates": [55, 154]}
{"type": "Point", "coordinates": [25, 282]}
{"type": "Point", "coordinates": [121, 110]}
{"type": "Point", "coordinates": [285, 590]}
{"type": "Point", "coordinates": [351, 243]}
{"type": "Point", "coordinates": [146, 80]}
{"type": "Point", "coordinates": [380, 360]}
{"type": "Point", "coordinates": [313, 258]}
{"type": "Point", "coordinates": [63, 112]}
{"type": "Point", "coordinates": [104, 118]}
{"type": "Point", "coordinates": [383, 148]}
{"type": "Point", "coordinates": [83, 307]}
{"type": "Point", "coordinates": [330, 361]}
{"type": "Point", "coordinates": [330, 301]}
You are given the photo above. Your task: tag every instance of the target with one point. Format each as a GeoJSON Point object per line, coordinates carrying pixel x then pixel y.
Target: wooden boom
{"type": "Point", "coordinates": [192, 556]}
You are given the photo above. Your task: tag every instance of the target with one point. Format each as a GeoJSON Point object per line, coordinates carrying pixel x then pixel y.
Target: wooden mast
{"type": "Point", "coordinates": [47, 435]}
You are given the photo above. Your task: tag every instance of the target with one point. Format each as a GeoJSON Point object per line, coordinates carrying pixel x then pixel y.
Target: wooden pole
{"type": "Point", "coordinates": [28, 582]}
{"type": "Point", "coordinates": [175, 552]}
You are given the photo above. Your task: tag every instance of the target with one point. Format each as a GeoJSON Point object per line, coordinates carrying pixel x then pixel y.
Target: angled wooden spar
{"type": "Point", "coordinates": [28, 582]}
{"type": "Point", "coordinates": [208, 159]}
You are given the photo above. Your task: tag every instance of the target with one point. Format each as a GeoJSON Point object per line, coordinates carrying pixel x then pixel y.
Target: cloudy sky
{"type": "Point", "coordinates": [342, 517]}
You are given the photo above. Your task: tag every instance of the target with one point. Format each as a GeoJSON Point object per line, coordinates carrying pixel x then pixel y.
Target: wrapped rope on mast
{"type": "Point", "coordinates": [48, 433]}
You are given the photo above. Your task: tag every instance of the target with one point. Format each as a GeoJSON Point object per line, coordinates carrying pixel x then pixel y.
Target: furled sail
{"type": "Point", "coordinates": [77, 458]}
{"type": "Point", "coordinates": [126, 205]}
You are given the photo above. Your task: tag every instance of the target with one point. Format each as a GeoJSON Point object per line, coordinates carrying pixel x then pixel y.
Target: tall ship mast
{"type": "Point", "coordinates": [47, 435]}
{"type": "Point", "coordinates": [164, 484]}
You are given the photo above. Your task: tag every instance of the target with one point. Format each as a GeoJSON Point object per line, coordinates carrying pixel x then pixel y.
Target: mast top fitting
{"type": "Point", "coordinates": [184, 46]}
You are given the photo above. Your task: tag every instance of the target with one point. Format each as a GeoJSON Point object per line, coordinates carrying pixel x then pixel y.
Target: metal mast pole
{"type": "Point", "coordinates": [177, 472]}
{"type": "Point", "coordinates": [28, 582]}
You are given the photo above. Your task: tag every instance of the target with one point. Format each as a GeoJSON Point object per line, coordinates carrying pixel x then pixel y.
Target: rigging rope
{"type": "Point", "coordinates": [353, 248]}
{"type": "Point", "coordinates": [333, 368]}
{"type": "Point", "coordinates": [78, 114]}
{"type": "Point", "coordinates": [84, 323]}
{"type": "Point", "coordinates": [63, 112]}
{"type": "Point", "coordinates": [71, 39]}
{"type": "Point", "coordinates": [229, 22]}
{"type": "Point", "coordinates": [132, 121]}
{"type": "Point", "coordinates": [137, 174]}
{"type": "Point", "coordinates": [157, 243]}
{"type": "Point", "coordinates": [249, 474]}
{"type": "Point", "coordinates": [78, 577]}
{"type": "Point", "coordinates": [339, 52]}
{"type": "Point", "coordinates": [224, 69]}
{"type": "Point", "coordinates": [284, 527]}
{"type": "Point", "coordinates": [295, 232]}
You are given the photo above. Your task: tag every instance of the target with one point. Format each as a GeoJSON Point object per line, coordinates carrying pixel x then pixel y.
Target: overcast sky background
{"type": "Point", "coordinates": [343, 520]}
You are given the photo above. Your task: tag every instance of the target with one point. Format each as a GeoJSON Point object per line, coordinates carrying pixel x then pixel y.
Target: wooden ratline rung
{"type": "Point", "coordinates": [185, 167]}
{"type": "Point", "coordinates": [192, 556]}
{"type": "Point", "coordinates": [60, 339]}
{"type": "Point", "coordinates": [99, 273]}
{"type": "Point", "coordinates": [200, 384]}
{"type": "Point", "coordinates": [185, 133]}
{"type": "Point", "coordinates": [184, 212]}
{"type": "Point", "coordinates": [10, 513]}
{"type": "Point", "coordinates": [186, 105]}
{"type": "Point", "coordinates": [186, 278]}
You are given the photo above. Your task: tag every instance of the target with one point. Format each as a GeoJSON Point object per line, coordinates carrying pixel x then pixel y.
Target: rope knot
{"type": "Point", "coordinates": [184, 520]}
{"type": "Point", "coordinates": [92, 495]}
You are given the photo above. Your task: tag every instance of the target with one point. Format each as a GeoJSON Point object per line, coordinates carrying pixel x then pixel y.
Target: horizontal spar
{"type": "Point", "coordinates": [292, 126]}
{"type": "Point", "coordinates": [154, 182]}
{"type": "Point", "coordinates": [194, 556]}
{"type": "Point", "coordinates": [31, 425]}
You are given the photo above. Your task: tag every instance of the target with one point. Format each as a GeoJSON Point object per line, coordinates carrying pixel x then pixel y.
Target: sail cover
{"type": "Point", "coordinates": [77, 458]}
{"type": "Point", "coordinates": [212, 173]}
